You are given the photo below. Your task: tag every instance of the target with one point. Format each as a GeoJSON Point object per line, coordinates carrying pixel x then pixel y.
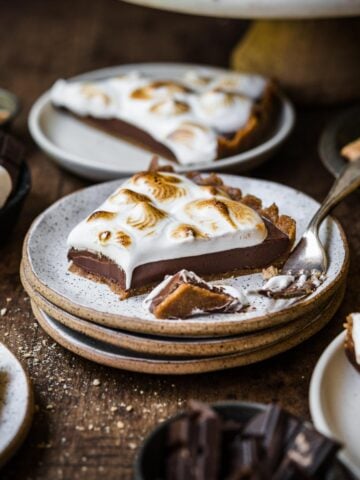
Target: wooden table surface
{"type": "Point", "coordinates": [87, 431]}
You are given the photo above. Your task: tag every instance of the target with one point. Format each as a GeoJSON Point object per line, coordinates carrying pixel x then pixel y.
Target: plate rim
{"type": "Point", "coordinates": [167, 367]}
{"type": "Point", "coordinates": [248, 10]}
{"type": "Point", "coordinates": [169, 326]}
{"type": "Point", "coordinates": [315, 403]}
{"type": "Point", "coordinates": [160, 345]}
{"type": "Point", "coordinates": [23, 429]}
{"type": "Point", "coordinates": [330, 156]}
{"type": "Point", "coordinates": [285, 127]}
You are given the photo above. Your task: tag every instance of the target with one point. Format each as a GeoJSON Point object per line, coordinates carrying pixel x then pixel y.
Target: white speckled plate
{"type": "Point", "coordinates": [335, 401]}
{"type": "Point", "coordinates": [106, 354]}
{"type": "Point", "coordinates": [259, 8]}
{"type": "Point", "coordinates": [174, 346]}
{"type": "Point", "coordinates": [46, 268]}
{"type": "Point", "coordinates": [16, 404]}
{"type": "Point", "coordinates": [93, 154]}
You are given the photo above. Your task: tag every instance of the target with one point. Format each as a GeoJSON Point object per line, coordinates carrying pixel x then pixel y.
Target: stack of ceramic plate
{"type": "Point", "coordinates": [90, 320]}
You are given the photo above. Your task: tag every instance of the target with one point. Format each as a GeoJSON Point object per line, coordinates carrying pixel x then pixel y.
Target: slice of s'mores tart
{"type": "Point", "coordinates": [173, 117]}
{"type": "Point", "coordinates": [352, 340]}
{"type": "Point", "coordinates": [158, 223]}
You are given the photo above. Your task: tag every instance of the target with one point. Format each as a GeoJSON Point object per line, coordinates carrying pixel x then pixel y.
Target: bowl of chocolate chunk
{"type": "Point", "coordinates": [9, 107]}
{"type": "Point", "coordinates": [15, 183]}
{"type": "Point", "coordinates": [235, 441]}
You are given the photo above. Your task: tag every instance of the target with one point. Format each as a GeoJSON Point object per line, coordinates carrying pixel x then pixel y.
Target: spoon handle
{"type": "Point", "coordinates": [346, 183]}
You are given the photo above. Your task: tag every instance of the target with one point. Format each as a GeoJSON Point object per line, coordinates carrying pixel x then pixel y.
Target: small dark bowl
{"type": "Point", "coordinates": [150, 464]}
{"type": "Point", "coordinates": [342, 130]}
{"type": "Point", "coordinates": [10, 212]}
{"type": "Point", "coordinates": [9, 102]}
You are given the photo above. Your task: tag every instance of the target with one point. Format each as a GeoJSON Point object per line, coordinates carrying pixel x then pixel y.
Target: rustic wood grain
{"type": "Point", "coordinates": [83, 430]}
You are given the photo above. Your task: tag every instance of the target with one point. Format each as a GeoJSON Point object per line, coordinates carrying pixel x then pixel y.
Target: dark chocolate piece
{"type": "Point", "coordinates": [270, 428]}
{"type": "Point", "coordinates": [273, 445]}
{"type": "Point", "coordinates": [245, 460]}
{"type": "Point", "coordinates": [194, 445]}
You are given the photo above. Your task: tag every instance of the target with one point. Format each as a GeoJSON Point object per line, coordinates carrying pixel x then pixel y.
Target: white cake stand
{"type": "Point", "coordinates": [308, 46]}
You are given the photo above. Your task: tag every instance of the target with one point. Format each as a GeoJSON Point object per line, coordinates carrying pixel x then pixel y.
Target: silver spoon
{"type": "Point", "coordinates": [309, 254]}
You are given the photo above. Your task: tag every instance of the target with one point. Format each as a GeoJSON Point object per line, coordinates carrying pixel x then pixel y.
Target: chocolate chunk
{"type": "Point", "coordinates": [194, 445]}
{"type": "Point", "coordinates": [270, 428]}
{"type": "Point", "coordinates": [273, 445]}
{"type": "Point", "coordinates": [245, 460]}
{"type": "Point", "coordinates": [310, 451]}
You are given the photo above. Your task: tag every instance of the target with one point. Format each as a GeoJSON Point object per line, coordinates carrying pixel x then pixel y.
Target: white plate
{"type": "Point", "coordinates": [46, 254]}
{"type": "Point", "coordinates": [16, 404]}
{"type": "Point", "coordinates": [96, 155]}
{"type": "Point", "coordinates": [335, 401]}
{"type": "Point", "coordinates": [259, 8]}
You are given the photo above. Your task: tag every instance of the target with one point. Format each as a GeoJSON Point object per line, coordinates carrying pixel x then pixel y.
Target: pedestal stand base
{"type": "Point", "coordinates": [315, 61]}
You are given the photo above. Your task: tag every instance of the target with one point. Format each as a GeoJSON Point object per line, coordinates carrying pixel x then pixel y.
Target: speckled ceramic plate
{"type": "Point", "coordinates": [46, 267]}
{"type": "Point", "coordinates": [335, 401]}
{"type": "Point", "coordinates": [109, 355]}
{"type": "Point", "coordinates": [173, 346]}
{"type": "Point", "coordinates": [342, 130]}
{"type": "Point", "coordinates": [16, 404]}
{"type": "Point", "coordinates": [94, 154]}
{"type": "Point", "coordinates": [259, 8]}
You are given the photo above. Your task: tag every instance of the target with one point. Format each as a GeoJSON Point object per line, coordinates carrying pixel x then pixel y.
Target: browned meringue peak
{"type": "Point", "coordinates": [145, 216]}
{"type": "Point", "coordinates": [149, 91]}
{"type": "Point", "coordinates": [128, 196]}
{"type": "Point", "coordinates": [228, 209]}
{"type": "Point", "coordinates": [186, 133]}
{"type": "Point", "coordinates": [213, 99]}
{"type": "Point", "coordinates": [104, 237]}
{"type": "Point", "coordinates": [170, 107]}
{"type": "Point", "coordinates": [163, 187]}
{"type": "Point", "coordinates": [212, 190]}
{"type": "Point", "coordinates": [197, 79]}
{"type": "Point", "coordinates": [185, 230]}
{"type": "Point", "coordinates": [91, 90]}
{"type": "Point", "coordinates": [120, 237]}
{"type": "Point", "coordinates": [101, 215]}
{"type": "Point", "coordinates": [123, 239]}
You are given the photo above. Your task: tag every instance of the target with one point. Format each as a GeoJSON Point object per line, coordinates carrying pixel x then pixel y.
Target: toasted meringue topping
{"type": "Point", "coordinates": [196, 79]}
{"type": "Point", "coordinates": [145, 215]}
{"type": "Point", "coordinates": [251, 86]}
{"type": "Point", "coordinates": [213, 100]}
{"type": "Point", "coordinates": [127, 196]}
{"type": "Point", "coordinates": [165, 109]}
{"type": "Point", "coordinates": [160, 215]}
{"type": "Point", "coordinates": [104, 237]}
{"type": "Point", "coordinates": [158, 89]}
{"type": "Point", "coordinates": [90, 91]}
{"type": "Point", "coordinates": [187, 232]}
{"type": "Point", "coordinates": [123, 239]}
{"type": "Point", "coordinates": [212, 190]}
{"type": "Point", "coordinates": [101, 215]}
{"type": "Point", "coordinates": [225, 112]}
{"type": "Point", "coordinates": [191, 140]}
{"type": "Point", "coordinates": [170, 107]}
{"type": "Point", "coordinates": [162, 186]}
{"type": "Point", "coordinates": [214, 212]}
